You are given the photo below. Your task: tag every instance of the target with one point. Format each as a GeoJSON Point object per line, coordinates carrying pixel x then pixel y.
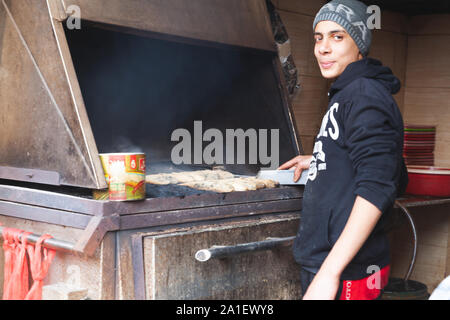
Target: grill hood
{"type": "Point", "coordinates": [134, 65]}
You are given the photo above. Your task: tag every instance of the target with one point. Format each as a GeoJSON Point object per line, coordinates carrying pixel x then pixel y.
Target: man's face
{"type": "Point", "coordinates": [334, 49]}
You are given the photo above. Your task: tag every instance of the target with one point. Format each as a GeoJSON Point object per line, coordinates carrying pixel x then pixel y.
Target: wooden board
{"type": "Point", "coordinates": [427, 94]}
{"type": "Point", "coordinates": [310, 104]}
{"type": "Point", "coordinates": [394, 22]}
{"type": "Point", "coordinates": [428, 64]}
{"type": "Point", "coordinates": [436, 24]}
{"type": "Point", "coordinates": [429, 106]}
{"type": "Point", "coordinates": [391, 48]}
{"type": "Point", "coordinates": [306, 7]}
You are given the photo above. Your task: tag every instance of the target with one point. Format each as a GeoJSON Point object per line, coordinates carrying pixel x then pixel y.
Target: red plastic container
{"type": "Point", "coordinates": [429, 181]}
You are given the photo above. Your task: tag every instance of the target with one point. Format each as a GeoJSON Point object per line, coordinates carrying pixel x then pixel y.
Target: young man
{"type": "Point", "coordinates": [356, 170]}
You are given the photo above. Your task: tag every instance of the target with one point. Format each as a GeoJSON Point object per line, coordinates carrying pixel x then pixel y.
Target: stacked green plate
{"type": "Point", "coordinates": [419, 144]}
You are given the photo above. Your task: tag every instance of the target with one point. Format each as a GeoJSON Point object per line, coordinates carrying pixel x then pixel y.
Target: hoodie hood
{"type": "Point", "coordinates": [367, 68]}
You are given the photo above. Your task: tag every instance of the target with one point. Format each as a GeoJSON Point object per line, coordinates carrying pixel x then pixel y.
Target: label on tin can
{"type": "Point", "coordinates": [125, 175]}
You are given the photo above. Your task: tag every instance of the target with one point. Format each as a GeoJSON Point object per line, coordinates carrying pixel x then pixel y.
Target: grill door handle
{"type": "Point", "coordinates": [204, 255]}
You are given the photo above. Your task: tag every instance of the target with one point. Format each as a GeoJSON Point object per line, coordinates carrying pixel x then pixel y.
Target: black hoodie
{"type": "Point", "coordinates": [358, 151]}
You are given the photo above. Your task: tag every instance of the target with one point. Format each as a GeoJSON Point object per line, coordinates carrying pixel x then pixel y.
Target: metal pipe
{"type": "Point", "coordinates": [55, 244]}
{"type": "Point", "coordinates": [227, 251]}
{"type": "Point", "coordinates": [413, 227]}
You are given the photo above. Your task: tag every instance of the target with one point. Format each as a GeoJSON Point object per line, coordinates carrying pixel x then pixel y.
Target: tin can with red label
{"type": "Point", "coordinates": [125, 175]}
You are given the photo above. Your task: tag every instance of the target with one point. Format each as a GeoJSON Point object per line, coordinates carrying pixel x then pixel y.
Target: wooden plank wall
{"type": "Point", "coordinates": [389, 45]}
{"type": "Point", "coordinates": [427, 95]}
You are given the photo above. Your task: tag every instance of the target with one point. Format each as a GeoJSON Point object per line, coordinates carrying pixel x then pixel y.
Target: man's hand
{"type": "Point", "coordinates": [323, 287]}
{"type": "Point", "coordinates": [299, 163]}
{"type": "Point", "coordinates": [362, 220]}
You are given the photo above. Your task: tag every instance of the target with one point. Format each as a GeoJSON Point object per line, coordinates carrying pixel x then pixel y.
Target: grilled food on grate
{"type": "Point", "coordinates": [187, 176]}
{"type": "Point", "coordinates": [211, 180]}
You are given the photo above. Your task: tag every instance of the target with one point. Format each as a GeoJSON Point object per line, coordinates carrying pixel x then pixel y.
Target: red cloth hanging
{"type": "Point", "coordinates": [16, 277]}
{"type": "Point", "coordinates": [40, 262]}
{"type": "Point", "coordinates": [9, 248]}
{"type": "Point", "coordinates": [15, 285]}
{"type": "Point", "coordinates": [20, 274]}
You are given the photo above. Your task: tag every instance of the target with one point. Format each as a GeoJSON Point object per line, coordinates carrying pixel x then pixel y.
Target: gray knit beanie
{"type": "Point", "coordinates": [352, 16]}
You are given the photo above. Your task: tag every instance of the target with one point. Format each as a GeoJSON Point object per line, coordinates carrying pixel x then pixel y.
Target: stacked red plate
{"type": "Point", "coordinates": [429, 181]}
{"type": "Point", "coordinates": [419, 142]}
